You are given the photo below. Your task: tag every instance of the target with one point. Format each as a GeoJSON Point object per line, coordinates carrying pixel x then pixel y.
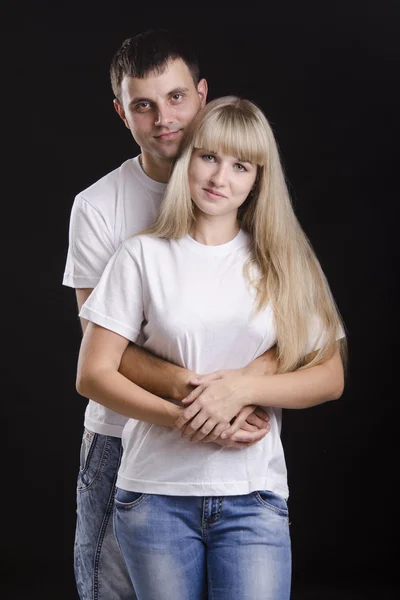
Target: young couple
{"type": "Point", "coordinates": [207, 275]}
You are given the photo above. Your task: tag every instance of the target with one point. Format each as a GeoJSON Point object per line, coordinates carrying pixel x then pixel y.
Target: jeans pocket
{"type": "Point", "coordinates": [88, 440]}
{"type": "Point", "coordinates": [92, 455]}
{"type": "Point", "coordinates": [125, 499]}
{"type": "Point", "coordinates": [272, 501]}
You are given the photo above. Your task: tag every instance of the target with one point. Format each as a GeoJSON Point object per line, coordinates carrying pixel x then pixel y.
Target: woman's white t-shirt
{"type": "Point", "coordinates": [195, 308]}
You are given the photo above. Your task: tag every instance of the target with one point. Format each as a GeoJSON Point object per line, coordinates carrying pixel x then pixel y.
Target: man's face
{"type": "Point", "coordinates": [158, 108]}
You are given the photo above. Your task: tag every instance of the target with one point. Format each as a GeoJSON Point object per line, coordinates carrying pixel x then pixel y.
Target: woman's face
{"type": "Point", "coordinates": [219, 183]}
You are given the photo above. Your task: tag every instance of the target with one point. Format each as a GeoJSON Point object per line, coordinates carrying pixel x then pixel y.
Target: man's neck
{"type": "Point", "coordinates": [156, 169]}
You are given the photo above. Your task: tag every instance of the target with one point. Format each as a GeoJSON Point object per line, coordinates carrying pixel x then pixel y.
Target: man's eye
{"type": "Point", "coordinates": [177, 97]}
{"type": "Point", "coordinates": [142, 106]}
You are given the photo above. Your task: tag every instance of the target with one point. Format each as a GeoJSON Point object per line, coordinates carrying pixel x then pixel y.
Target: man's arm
{"type": "Point", "coordinates": [266, 364]}
{"type": "Point", "coordinates": [153, 374]}
{"type": "Point", "coordinates": [166, 380]}
{"type": "Point", "coordinates": [98, 378]}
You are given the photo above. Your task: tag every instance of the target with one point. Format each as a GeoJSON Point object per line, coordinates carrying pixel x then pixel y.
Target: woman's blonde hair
{"type": "Point", "coordinates": [287, 273]}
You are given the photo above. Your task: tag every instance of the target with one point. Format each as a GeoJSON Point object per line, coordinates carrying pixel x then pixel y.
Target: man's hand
{"type": "Point", "coordinates": [240, 427]}
{"type": "Point", "coordinates": [242, 438]}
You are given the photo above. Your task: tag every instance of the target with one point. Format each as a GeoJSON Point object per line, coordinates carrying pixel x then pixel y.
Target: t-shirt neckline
{"type": "Point", "coordinates": [240, 240]}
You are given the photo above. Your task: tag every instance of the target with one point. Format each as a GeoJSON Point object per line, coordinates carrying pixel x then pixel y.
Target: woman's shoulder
{"type": "Point", "coordinates": [137, 244]}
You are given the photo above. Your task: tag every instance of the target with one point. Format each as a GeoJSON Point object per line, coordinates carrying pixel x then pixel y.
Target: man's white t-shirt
{"type": "Point", "coordinates": [103, 216]}
{"type": "Point", "coordinates": [195, 308]}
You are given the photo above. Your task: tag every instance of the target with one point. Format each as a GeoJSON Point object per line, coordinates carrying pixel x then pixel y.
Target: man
{"type": "Point", "coordinates": [155, 80]}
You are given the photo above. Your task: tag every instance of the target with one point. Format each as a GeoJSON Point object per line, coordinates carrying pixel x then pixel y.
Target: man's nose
{"type": "Point", "coordinates": [164, 116]}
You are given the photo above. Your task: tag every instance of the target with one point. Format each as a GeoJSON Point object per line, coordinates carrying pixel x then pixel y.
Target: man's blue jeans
{"type": "Point", "coordinates": [100, 571]}
{"type": "Point", "coordinates": [180, 547]}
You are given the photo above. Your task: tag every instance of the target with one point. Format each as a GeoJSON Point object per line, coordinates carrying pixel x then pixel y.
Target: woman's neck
{"type": "Point", "coordinates": [214, 231]}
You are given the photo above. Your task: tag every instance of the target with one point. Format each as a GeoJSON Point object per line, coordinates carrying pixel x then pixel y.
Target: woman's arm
{"type": "Point", "coordinates": [146, 370]}
{"type": "Point", "coordinates": [165, 379]}
{"type": "Point", "coordinates": [98, 378]}
{"type": "Point", "coordinates": [218, 401]}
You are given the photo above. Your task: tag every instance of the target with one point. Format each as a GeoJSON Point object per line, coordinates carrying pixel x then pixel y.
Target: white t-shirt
{"type": "Point", "coordinates": [196, 309]}
{"type": "Point", "coordinates": [104, 215]}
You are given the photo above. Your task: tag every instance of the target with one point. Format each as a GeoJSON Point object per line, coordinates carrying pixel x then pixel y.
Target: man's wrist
{"type": "Point", "coordinates": [174, 414]}
{"type": "Point", "coordinates": [181, 386]}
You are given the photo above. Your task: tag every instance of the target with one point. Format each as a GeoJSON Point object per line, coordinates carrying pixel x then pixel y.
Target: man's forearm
{"type": "Point", "coordinates": [158, 376]}
{"type": "Point", "coordinates": [146, 370]}
{"type": "Point", "coordinates": [111, 389]}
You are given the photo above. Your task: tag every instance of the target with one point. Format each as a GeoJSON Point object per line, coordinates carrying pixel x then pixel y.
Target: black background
{"type": "Point", "coordinates": [326, 76]}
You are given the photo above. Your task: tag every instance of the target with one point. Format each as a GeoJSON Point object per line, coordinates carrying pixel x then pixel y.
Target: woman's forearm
{"type": "Point", "coordinates": [114, 391]}
{"type": "Point", "coordinates": [300, 389]}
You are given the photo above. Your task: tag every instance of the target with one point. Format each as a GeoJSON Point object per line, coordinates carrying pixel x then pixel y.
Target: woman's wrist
{"type": "Point", "coordinates": [244, 388]}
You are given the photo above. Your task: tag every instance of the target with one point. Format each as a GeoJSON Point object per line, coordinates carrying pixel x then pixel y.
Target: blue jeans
{"type": "Point", "coordinates": [181, 547]}
{"type": "Point", "coordinates": [100, 571]}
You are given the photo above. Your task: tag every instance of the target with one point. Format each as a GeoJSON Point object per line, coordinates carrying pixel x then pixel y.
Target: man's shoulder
{"type": "Point", "coordinates": [104, 190]}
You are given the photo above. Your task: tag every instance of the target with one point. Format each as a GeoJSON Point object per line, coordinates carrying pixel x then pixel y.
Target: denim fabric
{"type": "Point", "coordinates": [180, 547]}
{"type": "Point", "coordinates": [100, 571]}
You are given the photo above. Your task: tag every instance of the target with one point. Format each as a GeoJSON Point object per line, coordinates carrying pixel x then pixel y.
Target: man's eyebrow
{"type": "Point", "coordinates": [178, 90]}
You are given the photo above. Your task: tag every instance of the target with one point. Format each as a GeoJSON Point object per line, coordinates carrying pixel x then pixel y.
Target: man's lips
{"type": "Point", "coordinates": [213, 193]}
{"type": "Point", "coordinates": [167, 136]}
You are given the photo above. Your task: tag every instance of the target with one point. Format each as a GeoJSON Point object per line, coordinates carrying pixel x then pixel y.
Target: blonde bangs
{"type": "Point", "coordinates": [233, 133]}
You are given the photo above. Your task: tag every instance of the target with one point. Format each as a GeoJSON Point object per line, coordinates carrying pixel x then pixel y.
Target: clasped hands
{"type": "Point", "coordinates": [217, 410]}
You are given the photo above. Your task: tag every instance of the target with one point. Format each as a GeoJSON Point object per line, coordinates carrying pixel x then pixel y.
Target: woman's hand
{"type": "Point", "coordinates": [213, 405]}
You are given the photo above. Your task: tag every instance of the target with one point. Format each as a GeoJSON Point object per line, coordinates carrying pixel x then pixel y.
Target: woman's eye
{"type": "Point", "coordinates": [240, 167]}
{"type": "Point", "coordinates": [208, 157]}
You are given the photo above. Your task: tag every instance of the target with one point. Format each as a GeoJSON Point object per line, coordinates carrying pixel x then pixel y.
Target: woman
{"type": "Point", "coordinates": [225, 273]}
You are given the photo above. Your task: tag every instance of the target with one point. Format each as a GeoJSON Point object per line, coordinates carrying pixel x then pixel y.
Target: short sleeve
{"type": "Point", "coordinates": [116, 303]}
{"type": "Point", "coordinates": [317, 335]}
{"type": "Point", "coordinates": [90, 246]}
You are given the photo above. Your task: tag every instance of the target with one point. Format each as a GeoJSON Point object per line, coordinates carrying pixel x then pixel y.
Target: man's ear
{"type": "Point", "coordinates": [202, 90]}
{"type": "Point", "coordinates": [120, 110]}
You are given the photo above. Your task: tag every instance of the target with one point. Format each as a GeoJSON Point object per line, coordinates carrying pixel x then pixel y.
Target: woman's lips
{"type": "Point", "coordinates": [213, 193]}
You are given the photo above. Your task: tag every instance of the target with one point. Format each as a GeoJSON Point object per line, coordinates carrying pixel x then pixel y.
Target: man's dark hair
{"type": "Point", "coordinates": [150, 52]}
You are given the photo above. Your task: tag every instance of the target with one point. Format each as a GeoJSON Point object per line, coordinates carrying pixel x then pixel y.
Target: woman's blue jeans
{"type": "Point", "coordinates": [183, 547]}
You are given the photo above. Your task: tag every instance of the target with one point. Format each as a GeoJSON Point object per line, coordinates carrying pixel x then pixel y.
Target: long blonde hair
{"type": "Point", "coordinates": [287, 274]}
